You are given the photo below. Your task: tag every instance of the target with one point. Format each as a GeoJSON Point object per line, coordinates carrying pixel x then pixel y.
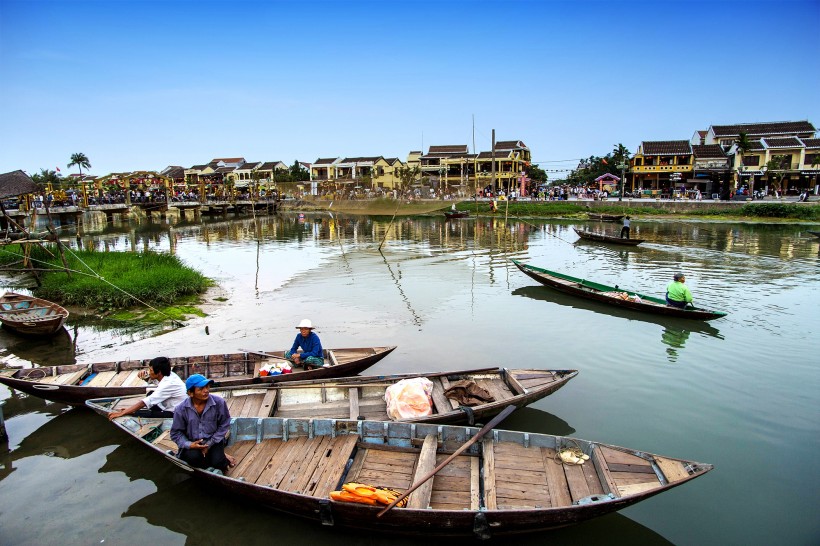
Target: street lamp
{"type": "Point", "coordinates": [623, 166]}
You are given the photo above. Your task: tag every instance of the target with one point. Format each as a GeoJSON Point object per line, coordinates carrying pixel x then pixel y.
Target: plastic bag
{"type": "Point", "coordinates": [409, 398]}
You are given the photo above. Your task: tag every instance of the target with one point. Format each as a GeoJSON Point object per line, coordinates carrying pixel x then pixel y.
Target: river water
{"type": "Point", "coordinates": [740, 392]}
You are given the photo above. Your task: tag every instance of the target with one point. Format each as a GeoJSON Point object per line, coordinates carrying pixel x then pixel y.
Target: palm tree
{"type": "Point", "coordinates": [744, 145]}
{"type": "Point", "coordinates": [81, 160]}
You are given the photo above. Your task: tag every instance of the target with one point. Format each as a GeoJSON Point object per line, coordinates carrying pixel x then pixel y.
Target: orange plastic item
{"type": "Point", "coordinates": [367, 494]}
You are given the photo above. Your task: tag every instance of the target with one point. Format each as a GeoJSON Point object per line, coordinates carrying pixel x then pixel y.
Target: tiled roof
{"type": "Point", "coordinates": [228, 159]}
{"type": "Point", "coordinates": [248, 166]}
{"type": "Point", "coordinates": [360, 159]}
{"type": "Point", "coordinates": [485, 155]}
{"type": "Point", "coordinates": [324, 161]}
{"type": "Point", "coordinates": [304, 164]}
{"type": "Point", "coordinates": [783, 142]}
{"type": "Point", "coordinates": [666, 147]}
{"type": "Point", "coordinates": [509, 145]}
{"type": "Point", "coordinates": [174, 171]}
{"type": "Point", "coordinates": [448, 150]}
{"type": "Point", "coordinates": [225, 169]}
{"type": "Point", "coordinates": [769, 128]}
{"type": "Point", "coordinates": [812, 142]}
{"type": "Point", "coordinates": [756, 145]}
{"type": "Point", "coordinates": [415, 151]}
{"type": "Point", "coordinates": [709, 151]}
{"type": "Point", "coordinates": [16, 183]}
{"type": "Point", "coordinates": [198, 167]}
{"type": "Point", "coordinates": [391, 160]}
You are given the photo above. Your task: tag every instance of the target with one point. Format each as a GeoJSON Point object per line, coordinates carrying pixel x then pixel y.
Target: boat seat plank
{"type": "Point", "coordinates": [600, 464]}
{"type": "Point", "coordinates": [633, 489]}
{"type": "Point", "coordinates": [578, 487]}
{"type": "Point", "coordinates": [268, 403]}
{"type": "Point", "coordinates": [354, 402]}
{"type": "Point", "coordinates": [327, 475]}
{"type": "Point", "coordinates": [613, 456]}
{"type": "Point", "coordinates": [70, 378]}
{"type": "Point", "coordinates": [332, 357]}
{"type": "Point", "coordinates": [556, 479]}
{"type": "Point", "coordinates": [630, 478]}
{"type": "Point", "coordinates": [631, 468]}
{"type": "Point", "coordinates": [475, 483]}
{"type": "Point", "coordinates": [445, 383]}
{"type": "Point", "coordinates": [101, 379]}
{"type": "Point", "coordinates": [515, 385]}
{"type": "Point", "coordinates": [440, 402]}
{"type": "Point", "coordinates": [673, 470]}
{"type": "Point", "coordinates": [420, 498]}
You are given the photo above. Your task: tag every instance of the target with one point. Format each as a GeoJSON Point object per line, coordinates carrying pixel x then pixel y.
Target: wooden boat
{"type": "Point", "coordinates": [605, 217]}
{"type": "Point", "coordinates": [31, 316]}
{"type": "Point", "coordinates": [590, 236]}
{"type": "Point", "coordinates": [363, 396]}
{"type": "Point", "coordinates": [451, 214]}
{"type": "Point", "coordinates": [506, 482]}
{"type": "Point", "coordinates": [815, 233]}
{"type": "Point", "coordinates": [77, 383]}
{"type": "Point", "coordinates": [612, 295]}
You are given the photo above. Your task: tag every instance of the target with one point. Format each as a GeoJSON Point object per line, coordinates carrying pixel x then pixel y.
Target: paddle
{"type": "Point", "coordinates": [260, 353]}
{"type": "Point", "coordinates": [489, 426]}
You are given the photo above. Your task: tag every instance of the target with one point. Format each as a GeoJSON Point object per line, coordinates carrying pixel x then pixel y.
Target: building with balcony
{"type": "Point", "coordinates": [661, 165]}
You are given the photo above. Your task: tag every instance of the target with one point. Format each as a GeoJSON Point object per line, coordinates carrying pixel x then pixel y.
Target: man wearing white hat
{"type": "Point", "coordinates": [312, 355]}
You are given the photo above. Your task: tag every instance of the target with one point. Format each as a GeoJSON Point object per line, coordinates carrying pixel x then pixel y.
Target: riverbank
{"type": "Point", "coordinates": [780, 210]}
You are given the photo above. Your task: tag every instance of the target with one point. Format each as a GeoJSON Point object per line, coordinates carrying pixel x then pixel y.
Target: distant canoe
{"type": "Point", "coordinates": [507, 482]}
{"type": "Point", "coordinates": [815, 233]}
{"type": "Point", "coordinates": [77, 383]}
{"type": "Point", "coordinates": [610, 295]}
{"type": "Point", "coordinates": [607, 238]}
{"type": "Point", "coordinates": [450, 214]}
{"type": "Point", "coordinates": [31, 316]}
{"type": "Point", "coordinates": [363, 396]}
{"type": "Point", "coordinates": [605, 217]}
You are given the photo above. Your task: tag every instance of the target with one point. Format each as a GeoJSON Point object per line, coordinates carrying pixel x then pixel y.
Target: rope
{"type": "Point", "coordinates": [574, 451]}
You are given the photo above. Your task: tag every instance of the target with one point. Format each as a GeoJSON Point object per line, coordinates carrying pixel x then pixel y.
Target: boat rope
{"type": "Point", "coordinates": [570, 455]}
{"type": "Point", "coordinates": [97, 276]}
{"type": "Point", "coordinates": [515, 217]}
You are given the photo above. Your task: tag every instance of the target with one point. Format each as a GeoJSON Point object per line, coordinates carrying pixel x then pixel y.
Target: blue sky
{"type": "Point", "coordinates": [142, 85]}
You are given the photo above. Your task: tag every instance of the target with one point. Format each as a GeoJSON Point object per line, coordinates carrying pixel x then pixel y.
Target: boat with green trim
{"type": "Point", "coordinates": [613, 295]}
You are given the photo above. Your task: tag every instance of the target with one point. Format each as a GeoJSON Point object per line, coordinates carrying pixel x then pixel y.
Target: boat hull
{"type": "Point", "coordinates": [304, 460]}
{"type": "Point", "coordinates": [599, 292]}
{"type": "Point", "coordinates": [588, 235]}
{"type": "Point", "coordinates": [31, 316]}
{"type": "Point", "coordinates": [60, 384]}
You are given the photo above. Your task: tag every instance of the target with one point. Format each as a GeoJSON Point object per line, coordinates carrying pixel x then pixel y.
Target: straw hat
{"type": "Point", "coordinates": [305, 324]}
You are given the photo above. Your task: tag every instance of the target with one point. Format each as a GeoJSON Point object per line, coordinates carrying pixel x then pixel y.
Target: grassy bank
{"type": "Point", "coordinates": [154, 278]}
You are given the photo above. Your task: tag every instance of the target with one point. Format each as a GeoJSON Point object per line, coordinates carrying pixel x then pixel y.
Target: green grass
{"type": "Point", "coordinates": [154, 278]}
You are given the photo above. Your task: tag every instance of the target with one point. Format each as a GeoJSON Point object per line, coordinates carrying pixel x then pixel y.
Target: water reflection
{"type": "Point", "coordinates": [57, 350]}
{"type": "Point", "coordinates": [675, 338]}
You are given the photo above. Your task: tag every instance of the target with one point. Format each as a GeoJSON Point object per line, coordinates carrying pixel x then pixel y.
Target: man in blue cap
{"type": "Point", "coordinates": [201, 424]}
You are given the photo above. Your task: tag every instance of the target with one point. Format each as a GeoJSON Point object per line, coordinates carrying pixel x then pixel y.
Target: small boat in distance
{"type": "Point", "coordinates": [613, 295]}
{"type": "Point", "coordinates": [77, 383]}
{"type": "Point", "coordinates": [363, 397]}
{"type": "Point", "coordinates": [590, 236]}
{"type": "Point", "coordinates": [505, 482]}
{"type": "Point", "coordinates": [451, 214]}
{"type": "Point", "coordinates": [605, 217]}
{"type": "Point", "coordinates": [815, 233]}
{"type": "Point", "coordinates": [31, 316]}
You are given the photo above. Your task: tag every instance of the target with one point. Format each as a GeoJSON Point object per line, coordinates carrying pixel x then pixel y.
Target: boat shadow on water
{"type": "Point", "coordinates": [671, 324]}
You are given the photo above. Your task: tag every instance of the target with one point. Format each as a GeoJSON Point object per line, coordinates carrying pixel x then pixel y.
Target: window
{"type": "Point", "coordinates": [727, 141]}
{"type": "Point", "coordinates": [751, 160]}
{"type": "Point", "coordinates": [812, 159]}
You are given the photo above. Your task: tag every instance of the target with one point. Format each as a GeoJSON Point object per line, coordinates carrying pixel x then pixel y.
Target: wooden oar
{"type": "Point", "coordinates": [260, 353]}
{"type": "Point", "coordinates": [489, 426]}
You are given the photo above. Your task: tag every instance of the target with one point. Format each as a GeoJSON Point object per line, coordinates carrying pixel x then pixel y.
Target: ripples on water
{"type": "Point", "coordinates": [734, 392]}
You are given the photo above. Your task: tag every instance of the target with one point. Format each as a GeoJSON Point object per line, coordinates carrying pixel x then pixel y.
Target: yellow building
{"type": "Point", "coordinates": [662, 165]}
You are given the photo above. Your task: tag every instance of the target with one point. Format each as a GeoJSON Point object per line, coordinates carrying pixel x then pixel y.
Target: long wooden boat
{"type": "Point", "coordinates": [506, 482]}
{"type": "Point", "coordinates": [590, 236]}
{"type": "Point", "coordinates": [31, 316]}
{"type": "Point", "coordinates": [612, 295]}
{"type": "Point", "coordinates": [815, 233]}
{"type": "Point", "coordinates": [77, 383]}
{"type": "Point", "coordinates": [363, 396]}
{"type": "Point", "coordinates": [605, 217]}
{"type": "Point", "coordinates": [450, 214]}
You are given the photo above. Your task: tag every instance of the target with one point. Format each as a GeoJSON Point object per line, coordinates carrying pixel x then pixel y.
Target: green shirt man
{"type": "Point", "coordinates": [677, 293]}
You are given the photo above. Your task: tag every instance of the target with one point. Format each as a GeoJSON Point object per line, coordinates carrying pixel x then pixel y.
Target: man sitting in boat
{"type": "Point", "coordinates": [677, 293]}
{"type": "Point", "coordinates": [201, 425]}
{"type": "Point", "coordinates": [312, 355]}
{"type": "Point", "coordinates": [161, 402]}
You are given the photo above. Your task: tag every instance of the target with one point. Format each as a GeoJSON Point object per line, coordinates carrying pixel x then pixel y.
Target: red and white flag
{"type": "Point", "coordinates": [58, 169]}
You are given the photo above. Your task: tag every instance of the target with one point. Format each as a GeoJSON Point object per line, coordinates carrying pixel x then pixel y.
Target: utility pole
{"type": "Point", "coordinates": [492, 167]}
